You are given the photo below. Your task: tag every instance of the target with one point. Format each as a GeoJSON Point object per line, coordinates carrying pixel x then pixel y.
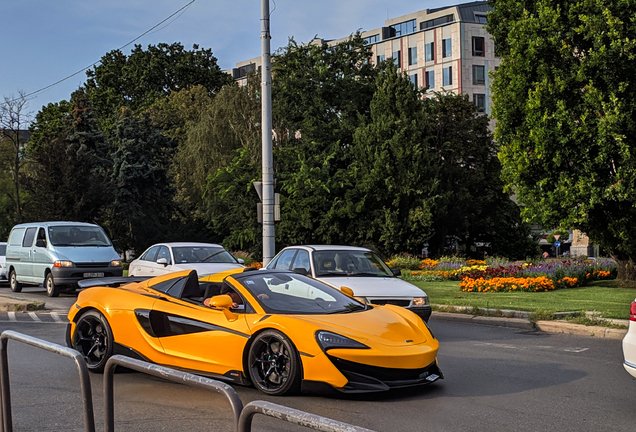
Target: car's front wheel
{"type": "Point", "coordinates": [52, 290]}
{"type": "Point", "coordinates": [13, 281]}
{"type": "Point", "coordinates": [274, 364]}
{"type": "Point", "coordinates": [93, 338]}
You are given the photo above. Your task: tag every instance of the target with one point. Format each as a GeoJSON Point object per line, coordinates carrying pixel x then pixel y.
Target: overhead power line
{"type": "Point", "coordinates": [181, 10]}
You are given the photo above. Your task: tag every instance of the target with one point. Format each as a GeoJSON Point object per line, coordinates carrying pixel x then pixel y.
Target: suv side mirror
{"type": "Point", "coordinates": [396, 272]}
{"type": "Point", "coordinates": [162, 261]}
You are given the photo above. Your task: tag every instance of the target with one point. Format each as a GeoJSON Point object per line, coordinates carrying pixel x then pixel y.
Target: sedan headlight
{"type": "Point", "coordinates": [328, 340]}
{"type": "Point", "coordinates": [115, 263]}
{"type": "Point", "coordinates": [420, 301]}
{"type": "Point", "coordinates": [63, 264]}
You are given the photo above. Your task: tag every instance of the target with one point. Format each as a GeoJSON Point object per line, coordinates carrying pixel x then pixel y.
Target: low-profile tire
{"type": "Point", "coordinates": [273, 364]}
{"type": "Point", "coordinates": [94, 340]}
{"type": "Point", "coordinates": [52, 289]}
{"type": "Point", "coordinates": [13, 282]}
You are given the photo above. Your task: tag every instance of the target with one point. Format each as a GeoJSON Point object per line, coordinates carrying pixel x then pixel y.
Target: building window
{"type": "Point", "coordinates": [481, 19]}
{"type": "Point", "coordinates": [447, 47]}
{"type": "Point", "coordinates": [480, 101]}
{"type": "Point", "coordinates": [437, 21]}
{"type": "Point", "coordinates": [479, 75]}
{"type": "Point", "coordinates": [413, 79]}
{"type": "Point", "coordinates": [397, 58]}
{"type": "Point", "coordinates": [412, 56]}
{"type": "Point", "coordinates": [478, 46]}
{"type": "Point", "coordinates": [430, 79]}
{"type": "Point", "coordinates": [372, 39]}
{"type": "Point", "coordinates": [429, 49]}
{"type": "Point", "coordinates": [447, 76]}
{"type": "Point", "coordinates": [404, 28]}
{"type": "Point", "coordinates": [380, 58]}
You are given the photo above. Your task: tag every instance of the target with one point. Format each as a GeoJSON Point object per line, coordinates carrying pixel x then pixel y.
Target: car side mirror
{"type": "Point", "coordinates": [162, 261]}
{"type": "Point", "coordinates": [40, 243]}
{"type": "Point", "coordinates": [224, 302]}
{"type": "Point", "coordinates": [396, 272]}
{"type": "Point", "coordinates": [348, 291]}
{"type": "Point", "coordinates": [301, 271]}
{"type": "Point", "coordinates": [241, 261]}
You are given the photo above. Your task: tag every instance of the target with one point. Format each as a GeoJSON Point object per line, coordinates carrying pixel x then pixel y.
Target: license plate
{"type": "Point", "coordinates": [88, 275]}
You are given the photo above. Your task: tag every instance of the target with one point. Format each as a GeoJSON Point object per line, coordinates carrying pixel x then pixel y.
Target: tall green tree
{"type": "Point", "coordinates": [321, 94]}
{"type": "Point", "coordinates": [136, 81]}
{"type": "Point", "coordinates": [395, 170]}
{"type": "Point", "coordinates": [564, 99]}
{"type": "Point", "coordinates": [142, 207]}
{"type": "Point", "coordinates": [69, 163]}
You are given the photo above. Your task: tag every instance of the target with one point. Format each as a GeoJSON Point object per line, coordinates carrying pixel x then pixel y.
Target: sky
{"type": "Point", "coordinates": [44, 41]}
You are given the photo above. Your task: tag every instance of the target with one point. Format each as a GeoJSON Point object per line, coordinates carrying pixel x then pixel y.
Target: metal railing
{"type": "Point", "coordinates": [5, 390]}
{"type": "Point", "coordinates": [242, 416]}
{"type": "Point", "coordinates": [291, 415]}
{"type": "Point", "coordinates": [166, 373]}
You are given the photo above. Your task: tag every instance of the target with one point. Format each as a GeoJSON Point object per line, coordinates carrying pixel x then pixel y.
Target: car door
{"type": "Point", "coordinates": [25, 272]}
{"type": "Point", "coordinates": [158, 269]}
{"type": "Point", "coordinates": [201, 338]}
{"type": "Point", "coordinates": [41, 258]}
{"type": "Point", "coordinates": [141, 267]}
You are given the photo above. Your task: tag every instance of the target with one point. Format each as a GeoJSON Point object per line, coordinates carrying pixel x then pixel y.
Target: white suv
{"type": "Point", "coordinates": [359, 269]}
{"type": "Point", "coordinates": [629, 343]}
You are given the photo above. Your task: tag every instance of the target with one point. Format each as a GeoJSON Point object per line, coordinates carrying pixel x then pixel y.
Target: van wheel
{"type": "Point", "coordinates": [52, 290]}
{"type": "Point", "coordinates": [13, 281]}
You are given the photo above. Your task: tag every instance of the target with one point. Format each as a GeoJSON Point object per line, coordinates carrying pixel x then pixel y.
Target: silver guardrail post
{"type": "Point", "coordinates": [291, 415]}
{"type": "Point", "coordinates": [165, 373]}
{"type": "Point", "coordinates": [85, 383]}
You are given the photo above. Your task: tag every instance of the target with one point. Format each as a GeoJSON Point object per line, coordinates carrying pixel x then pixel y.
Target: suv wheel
{"type": "Point", "coordinates": [13, 281]}
{"type": "Point", "coordinates": [52, 290]}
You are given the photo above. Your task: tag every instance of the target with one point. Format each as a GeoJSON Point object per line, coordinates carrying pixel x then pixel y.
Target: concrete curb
{"type": "Point", "coordinates": [8, 303]}
{"type": "Point", "coordinates": [544, 326]}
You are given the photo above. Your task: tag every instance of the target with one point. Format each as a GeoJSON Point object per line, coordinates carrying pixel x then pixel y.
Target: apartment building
{"type": "Point", "coordinates": [442, 49]}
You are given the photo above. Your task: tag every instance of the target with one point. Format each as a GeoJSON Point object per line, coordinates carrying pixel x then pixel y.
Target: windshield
{"type": "Point", "coordinates": [292, 293]}
{"type": "Point", "coordinates": [349, 263]}
{"type": "Point", "coordinates": [202, 254]}
{"type": "Point", "coordinates": [71, 235]}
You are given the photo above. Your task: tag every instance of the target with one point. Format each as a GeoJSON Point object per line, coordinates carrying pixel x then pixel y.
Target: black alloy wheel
{"type": "Point", "coordinates": [274, 365]}
{"type": "Point", "coordinates": [13, 281]}
{"type": "Point", "coordinates": [93, 338]}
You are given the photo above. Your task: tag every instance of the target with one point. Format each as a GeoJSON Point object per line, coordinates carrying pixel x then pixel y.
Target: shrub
{"type": "Point", "coordinates": [404, 261]}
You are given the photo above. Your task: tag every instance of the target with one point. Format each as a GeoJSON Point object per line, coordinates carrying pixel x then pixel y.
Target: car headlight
{"type": "Point", "coordinates": [420, 301]}
{"type": "Point", "coordinates": [115, 263]}
{"type": "Point", "coordinates": [328, 340]}
{"type": "Point", "coordinates": [60, 263]}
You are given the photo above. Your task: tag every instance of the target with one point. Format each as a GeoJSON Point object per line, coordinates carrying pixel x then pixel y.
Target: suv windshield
{"type": "Point", "coordinates": [292, 293]}
{"type": "Point", "coordinates": [202, 254]}
{"type": "Point", "coordinates": [349, 263]}
{"type": "Point", "coordinates": [72, 235]}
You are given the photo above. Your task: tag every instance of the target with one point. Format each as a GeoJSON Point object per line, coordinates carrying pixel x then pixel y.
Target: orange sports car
{"type": "Point", "coordinates": [278, 330]}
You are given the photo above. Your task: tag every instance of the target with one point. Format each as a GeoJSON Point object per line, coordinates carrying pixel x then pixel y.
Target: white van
{"type": "Point", "coordinates": [58, 254]}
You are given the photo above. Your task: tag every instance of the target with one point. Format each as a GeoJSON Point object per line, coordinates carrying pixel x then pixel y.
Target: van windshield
{"type": "Point", "coordinates": [72, 235]}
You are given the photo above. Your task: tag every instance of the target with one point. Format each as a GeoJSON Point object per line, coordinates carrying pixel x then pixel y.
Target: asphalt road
{"type": "Point", "coordinates": [497, 379]}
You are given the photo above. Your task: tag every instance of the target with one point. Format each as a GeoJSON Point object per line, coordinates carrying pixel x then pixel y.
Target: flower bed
{"type": "Point", "coordinates": [507, 284]}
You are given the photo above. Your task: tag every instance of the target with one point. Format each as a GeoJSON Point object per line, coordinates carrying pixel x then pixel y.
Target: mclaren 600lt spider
{"type": "Point", "coordinates": [279, 330]}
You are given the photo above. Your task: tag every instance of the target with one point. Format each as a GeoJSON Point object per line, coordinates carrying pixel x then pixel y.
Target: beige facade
{"type": "Point", "coordinates": [444, 49]}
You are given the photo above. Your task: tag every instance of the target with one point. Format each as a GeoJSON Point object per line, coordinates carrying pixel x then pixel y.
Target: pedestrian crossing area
{"type": "Point", "coordinates": [48, 317]}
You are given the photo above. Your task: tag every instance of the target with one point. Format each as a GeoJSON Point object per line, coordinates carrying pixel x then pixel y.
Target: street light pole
{"type": "Point", "coordinates": [266, 131]}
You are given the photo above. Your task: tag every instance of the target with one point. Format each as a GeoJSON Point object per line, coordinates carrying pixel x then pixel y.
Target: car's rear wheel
{"type": "Point", "coordinates": [52, 290]}
{"type": "Point", "coordinates": [94, 340]}
{"type": "Point", "coordinates": [274, 365]}
{"type": "Point", "coordinates": [13, 281]}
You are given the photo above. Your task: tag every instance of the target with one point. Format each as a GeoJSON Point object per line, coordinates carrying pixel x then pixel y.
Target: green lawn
{"type": "Point", "coordinates": [601, 296]}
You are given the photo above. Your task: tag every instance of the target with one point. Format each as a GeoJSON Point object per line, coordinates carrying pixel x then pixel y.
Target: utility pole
{"type": "Point", "coordinates": [269, 241]}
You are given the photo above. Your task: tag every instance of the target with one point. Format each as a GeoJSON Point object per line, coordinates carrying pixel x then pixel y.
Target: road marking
{"type": "Point", "coordinates": [12, 316]}
{"type": "Point", "coordinates": [576, 350]}
{"type": "Point", "coordinates": [34, 317]}
{"type": "Point", "coordinates": [508, 346]}
{"type": "Point", "coordinates": [56, 317]}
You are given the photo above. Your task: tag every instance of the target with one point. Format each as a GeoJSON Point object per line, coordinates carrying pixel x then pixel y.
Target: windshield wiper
{"type": "Point", "coordinates": [211, 255]}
